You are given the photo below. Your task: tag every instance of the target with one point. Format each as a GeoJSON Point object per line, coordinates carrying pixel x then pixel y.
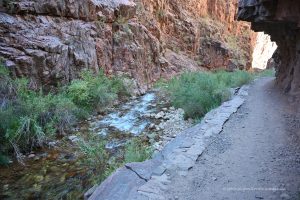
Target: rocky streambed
{"type": "Point", "coordinates": [60, 171]}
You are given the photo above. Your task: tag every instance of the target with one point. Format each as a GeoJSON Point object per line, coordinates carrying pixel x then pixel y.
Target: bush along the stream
{"type": "Point", "coordinates": [99, 165]}
{"type": "Point", "coordinates": [96, 92]}
{"type": "Point", "coordinates": [199, 92]}
{"type": "Point", "coordinates": [28, 118]}
{"type": "Point", "coordinates": [137, 151]}
{"type": "Point", "coordinates": [95, 158]}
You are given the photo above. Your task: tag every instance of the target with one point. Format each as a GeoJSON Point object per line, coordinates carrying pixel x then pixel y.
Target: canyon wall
{"type": "Point", "coordinates": [263, 51]}
{"type": "Point", "coordinates": [145, 40]}
{"type": "Point", "coordinates": [281, 20]}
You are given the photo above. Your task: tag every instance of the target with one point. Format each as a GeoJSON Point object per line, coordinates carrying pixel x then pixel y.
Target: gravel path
{"type": "Point", "coordinates": [256, 156]}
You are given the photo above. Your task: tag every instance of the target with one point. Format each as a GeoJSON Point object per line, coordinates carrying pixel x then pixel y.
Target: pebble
{"type": "Point", "coordinates": [36, 158]}
{"type": "Point", "coordinates": [152, 126]}
{"type": "Point", "coordinates": [73, 138]}
{"type": "Point", "coordinates": [258, 197]}
{"type": "Point", "coordinates": [5, 187]}
{"type": "Point", "coordinates": [52, 144]}
{"type": "Point", "coordinates": [148, 115]}
{"type": "Point", "coordinates": [159, 115]}
{"type": "Point", "coordinates": [31, 155]}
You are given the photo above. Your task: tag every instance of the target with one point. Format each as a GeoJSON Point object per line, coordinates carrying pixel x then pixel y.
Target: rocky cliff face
{"type": "Point", "coordinates": [281, 20]}
{"type": "Point", "coordinates": [52, 41]}
{"type": "Point", "coordinates": [263, 51]}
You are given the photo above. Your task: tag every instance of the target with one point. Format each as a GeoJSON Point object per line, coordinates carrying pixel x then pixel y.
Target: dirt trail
{"type": "Point", "coordinates": [256, 156]}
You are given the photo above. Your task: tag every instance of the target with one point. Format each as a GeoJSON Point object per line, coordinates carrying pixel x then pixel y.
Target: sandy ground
{"type": "Point", "coordinates": [257, 156]}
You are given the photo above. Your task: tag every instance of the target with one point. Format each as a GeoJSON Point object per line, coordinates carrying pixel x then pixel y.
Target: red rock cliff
{"type": "Point", "coordinates": [52, 41]}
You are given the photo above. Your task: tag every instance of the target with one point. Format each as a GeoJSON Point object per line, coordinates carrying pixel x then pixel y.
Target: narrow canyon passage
{"type": "Point", "coordinates": [256, 156]}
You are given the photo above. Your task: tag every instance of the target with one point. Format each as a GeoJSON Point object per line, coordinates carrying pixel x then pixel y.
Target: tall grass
{"type": "Point", "coordinates": [29, 118]}
{"type": "Point", "coordinates": [198, 93]}
{"type": "Point", "coordinates": [136, 151]}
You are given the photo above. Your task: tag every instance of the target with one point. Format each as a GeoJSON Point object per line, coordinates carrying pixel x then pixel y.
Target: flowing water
{"type": "Point", "coordinates": [128, 119]}
{"type": "Point", "coordinates": [61, 173]}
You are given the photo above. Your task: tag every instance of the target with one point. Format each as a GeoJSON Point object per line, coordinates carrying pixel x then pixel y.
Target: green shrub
{"type": "Point", "coordinates": [95, 153]}
{"type": "Point", "coordinates": [198, 93]}
{"type": "Point", "coordinates": [95, 92]}
{"type": "Point", "coordinates": [233, 79]}
{"type": "Point", "coordinates": [96, 159]}
{"type": "Point", "coordinates": [29, 118]}
{"type": "Point", "coordinates": [266, 73]}
{"type": "Point", "coordinates": [136, 151]}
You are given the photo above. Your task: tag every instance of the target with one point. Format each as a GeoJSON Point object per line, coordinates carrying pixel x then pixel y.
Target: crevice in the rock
{"type": "Point", "coordinates": [129, 168]}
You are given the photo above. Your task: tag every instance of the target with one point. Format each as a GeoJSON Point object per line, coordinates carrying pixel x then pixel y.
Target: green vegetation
{"type": "Point", "coordinates": [98, 163]}
{"type": "Point", "coordinates": [29, 118]}
{"type": "Point", "coordinates": [136, 151]}
{"type": "Point", "coordinates": [198, 93]}
{"type": "Point", "coordinates": [234, 44]}
{"type": "Point", "coordinates": [96, 159]}
{"type": "Point", "coordinates": [266, 73]}
{"type": "Point", "coordinates": [95, 92]}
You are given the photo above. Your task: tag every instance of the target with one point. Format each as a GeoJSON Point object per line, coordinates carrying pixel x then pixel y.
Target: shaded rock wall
{"type": "Point", "coordinates": [281, 20]}
{"type": "Point", "coordinates": [52, 41]}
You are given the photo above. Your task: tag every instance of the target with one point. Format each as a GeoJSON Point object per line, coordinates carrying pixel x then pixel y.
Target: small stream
{"type": "Point", "coordinates": [128, 119]}
{"type": "Point", "coordinates": [60, 173]}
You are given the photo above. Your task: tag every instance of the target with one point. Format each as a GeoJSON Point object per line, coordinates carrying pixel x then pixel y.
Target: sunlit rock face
{"type": "Point", "coordinates": [263, 51]}
{"type": "Point", "coordinates": [51, 42]}
{"type": "Point", "coordinates": [281, 20]}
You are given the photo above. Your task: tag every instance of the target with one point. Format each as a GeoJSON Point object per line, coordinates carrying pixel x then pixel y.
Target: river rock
{"type": "Point", "coordinates": [73, 138]}
{"type": "Point", "coordinates": [148, 115]}
{"type": "Point", "coordinates": [152, 126]}
{"type": "Point", "coordinates": [52, 144]}
{"type": "Point", "coordinates": [6, 187]}
{"type": "Point", "coordinates": [172, 108]}
{"type": "Point", "coordinates": [31, 155]}
{"type": "Point", "coordinates": [159, 115]}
